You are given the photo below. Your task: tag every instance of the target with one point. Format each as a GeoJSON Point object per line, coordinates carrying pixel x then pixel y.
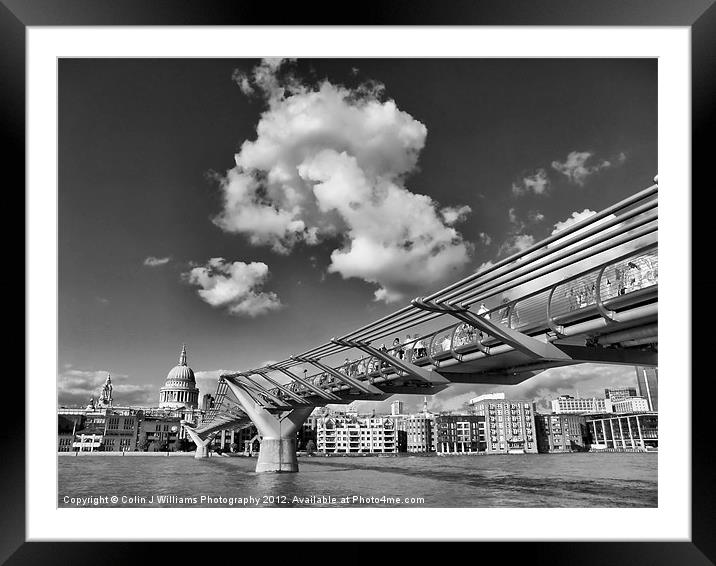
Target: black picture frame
{"type": "Point", "coordinates": [699, 15]}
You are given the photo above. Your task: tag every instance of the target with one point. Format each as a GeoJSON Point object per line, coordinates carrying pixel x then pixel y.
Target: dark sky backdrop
{"type": "Point", "coordinates": [139, 138]}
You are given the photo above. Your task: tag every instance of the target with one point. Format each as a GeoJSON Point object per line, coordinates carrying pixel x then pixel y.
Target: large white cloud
{"type": "Point", "coordinates": [235, 286]}
{"type": "Point", "coordinates": [329, 161]}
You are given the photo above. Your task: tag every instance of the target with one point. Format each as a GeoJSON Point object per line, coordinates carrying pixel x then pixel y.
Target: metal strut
{"type": "Point", "coordinates": [255, 389]}
{"type": "Point", "coordinates": [308, 385]}
{"type": "Point", "coordinates": [407, 368]}
{"type": "Point", "coordinates": [526, 344]}
{"type": "Point", "coordinates": [360, 385]}
{"type": "Point", "coordinates": [283, 388]}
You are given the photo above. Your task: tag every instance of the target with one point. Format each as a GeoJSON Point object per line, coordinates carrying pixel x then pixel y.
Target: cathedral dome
{"type": "Point", "coordinates": [180, 387]}
{"type": "Point", "coordinates": [181, 373]}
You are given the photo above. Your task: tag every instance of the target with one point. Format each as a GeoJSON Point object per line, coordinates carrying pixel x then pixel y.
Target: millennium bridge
{"type": "Point", "coordinates": [586, 294]}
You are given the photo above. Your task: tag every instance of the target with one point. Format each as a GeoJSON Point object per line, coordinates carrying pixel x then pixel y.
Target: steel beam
{"type": "Point", "coordinates": [407, 368]}
{"type": "Point", "coordinates": [328, 395]}
{"type": "Point", "coordinates": [522, 342]}
{"type": "Point", "coordinates": [283, 388]}
{"type": "Point", "coordinates": [360, 385]}
{"type": "Point", "coordinates": [253, 389]}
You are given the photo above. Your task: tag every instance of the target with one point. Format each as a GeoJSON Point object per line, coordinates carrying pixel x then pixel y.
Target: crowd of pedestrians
{"type": "Point", "coordinates": [625, 278]}
{"type": "Point", "coordinates": [411, 349]}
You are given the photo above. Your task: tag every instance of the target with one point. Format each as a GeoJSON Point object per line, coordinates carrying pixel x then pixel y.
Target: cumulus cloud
{"type": "Point", "coordinates": [152, 261]}
{"type": "Point", "coordinates": [234, 286]}
{"type": "Point", "coordinates": [454, 214]}
{"type": "Point", "coordinates": [576, 217]}
{"type": "Point", "coordinates": [514, 219]}
{"type": "Point", "coordinates": [516, 240]}
{"type": "Point", "coordinates": [76, 386]}
{"type": "Point", "coordinates": [516, 243]}
{"type": "Point", "coordinates": [485, 265]}
{"type": "Point", "coordinates": [537, 183]}
{"type": "Point", "coordinates": [536, 216]}
{"type": "Point", "coordinates": [576, 167]}
{"type": "Point", "coordinates": [331, 162]}
{"type": "Point", "coordinates": [207, 380]}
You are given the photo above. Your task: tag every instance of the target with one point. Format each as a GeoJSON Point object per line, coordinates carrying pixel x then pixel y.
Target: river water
{"type": "Point", "coordinates": [534, 480]}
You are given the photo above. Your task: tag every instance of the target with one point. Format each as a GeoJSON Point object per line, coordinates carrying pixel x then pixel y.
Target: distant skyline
{"type": "Point", "coordinates": [254, 209]}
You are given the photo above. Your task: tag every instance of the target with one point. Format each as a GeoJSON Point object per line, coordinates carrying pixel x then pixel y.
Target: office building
{"type": "Point", "coordinates": [458, 434]}
{"type": "Point", "coordinates": [561, 433]}
{"type": "Point", "coordinates": [624, 432]}
{"type": "Point", "coordinates": [416, 432]}
{"type": "Point", "coordinates": [631, 405]}
{"type": "Point", "coordinates": [207, 402]}
{"type": "Point", "coordinates": [159, 434]}
{"type": "Point", "coordinates": [509, 425]}
{"type": "Point", "coordinates": [566, 404]}
{"type": "Point", "coordinates": [618, 393]}
{"type": "Point", "coordinates": [120, 433]}
{"type": "Point", "coordinates": [485, 397]}
{"type": "Point", "coordinates": [355, 434]}
{"type": "Point", "coordinates": [647, 385]}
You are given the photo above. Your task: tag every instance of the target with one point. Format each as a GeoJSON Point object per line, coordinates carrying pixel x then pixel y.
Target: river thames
{"type": "Point", "coordinates": [535, 480]}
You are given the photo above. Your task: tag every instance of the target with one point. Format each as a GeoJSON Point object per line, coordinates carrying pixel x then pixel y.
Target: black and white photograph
{"type": "Point", "coordinates": [385, 278]}
{"type": "Point", "coordinates": [358, 282]}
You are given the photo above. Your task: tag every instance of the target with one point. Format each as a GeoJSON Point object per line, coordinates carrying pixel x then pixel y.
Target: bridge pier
{"type": "Point", "coordinates": [277, 431]}
{"type": "Point", "coordinates": [202, 444]}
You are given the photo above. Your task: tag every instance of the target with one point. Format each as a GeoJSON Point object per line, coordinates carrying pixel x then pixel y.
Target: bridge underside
{"type": "Point", "coordinates": [514, 367]}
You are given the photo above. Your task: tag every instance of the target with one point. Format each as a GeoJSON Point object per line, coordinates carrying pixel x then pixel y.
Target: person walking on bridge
{"type": "Point", "coordinates": [408, 348]}
{"type": "Point", "coordinates": [397, 350]}
{"type": "Point", "coordinates": [419, 347]}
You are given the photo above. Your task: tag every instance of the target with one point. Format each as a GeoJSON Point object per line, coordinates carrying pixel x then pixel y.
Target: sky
{"type": "Point", "coordinates": [253, 209]}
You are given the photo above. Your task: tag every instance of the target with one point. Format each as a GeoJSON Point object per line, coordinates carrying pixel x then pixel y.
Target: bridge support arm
{"type": "Point", "coordinates": [256, 389]}
{"type": "Point", "coordinates": [411, 370]}
{"type": "Point", "coordinates": [362, 386]}
{"type": "Point", "coordinates": [278, 432]}
{"type": "Point", "coordinates": [308, 385]}
{"type": "Point", "coordinates": [522, 342]}
{"type": "Point", "coordinates": [202, 444]}
{"type": "Point", "coordinates": [284, 389]}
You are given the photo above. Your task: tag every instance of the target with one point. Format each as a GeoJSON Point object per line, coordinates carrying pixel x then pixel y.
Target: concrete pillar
{"type": "Point", "coordinates": [638, 426]}
{"type": "Point", "coordinates": [202, 444]}
{"type": "Point", "coordinates": [621, 432]}
{"type": "Point", "coordinates": [278, 433]}
{"type": "Point", "coordinates": [611, 427]}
